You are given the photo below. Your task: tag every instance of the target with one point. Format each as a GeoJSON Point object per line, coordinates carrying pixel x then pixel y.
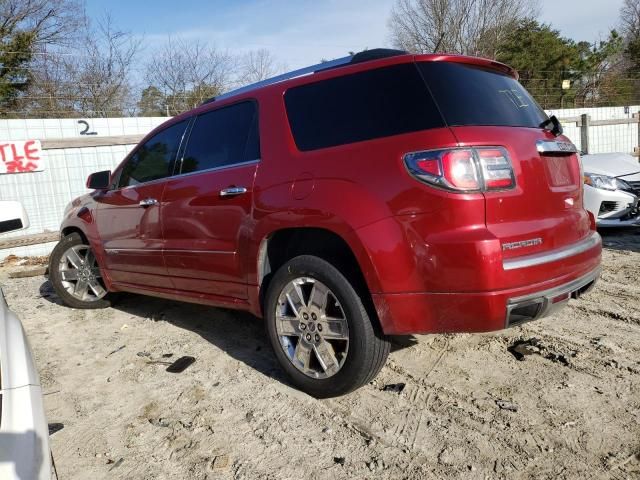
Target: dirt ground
{"type": "Point", "coordinates": [468, 409]}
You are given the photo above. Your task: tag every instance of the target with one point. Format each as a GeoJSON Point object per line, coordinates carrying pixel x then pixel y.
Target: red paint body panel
{"type": "Point", "coordinates": [131, 235]}
{"type": "Point", "coordinates": [432, 259]}
{"type": "Point", "coordinates": [204, 233]}
{"type": "Point", "coordinates": [405, 313]}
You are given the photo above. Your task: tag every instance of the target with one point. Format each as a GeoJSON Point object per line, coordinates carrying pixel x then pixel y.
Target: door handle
{"type": "Point", "coordinates": [232, 191]}
{"type": "Point", "coordinates": [148, 202]}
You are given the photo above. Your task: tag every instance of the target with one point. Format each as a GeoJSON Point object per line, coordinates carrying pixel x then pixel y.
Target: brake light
{"type": "Point", "coordinates": [463, 169]}
{"type": "Point", "coordinates": [496, 168]}
{"type": "Point", "coordinates": [460, 170]}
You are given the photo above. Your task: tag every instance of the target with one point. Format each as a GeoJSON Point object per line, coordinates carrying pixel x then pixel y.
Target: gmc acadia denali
{"type": "Point", "coordinates": [379, 194]}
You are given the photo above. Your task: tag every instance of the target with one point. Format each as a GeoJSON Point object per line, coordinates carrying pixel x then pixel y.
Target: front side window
{"type": "Point", "coordinates": [155, 158]}
{"type": "Point", "coordinates": [222, 137]}
{"type": "Point", "coordinates": [361, 106]}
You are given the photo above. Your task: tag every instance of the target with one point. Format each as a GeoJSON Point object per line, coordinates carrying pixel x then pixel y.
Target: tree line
{"type": "Point", "coordinates": [57, 62]}
{"type": "Point", "coordinates": [558, 71]}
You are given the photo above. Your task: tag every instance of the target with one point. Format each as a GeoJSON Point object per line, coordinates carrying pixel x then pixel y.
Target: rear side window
{"type": "Point", "coordinates": [362, 106]}
{"type": "Point", "coordinates": [223, 137]}
{"type": "Point", "coordinates": [470, 95]}
{"type": "Point", "coordinates": [154, 159]}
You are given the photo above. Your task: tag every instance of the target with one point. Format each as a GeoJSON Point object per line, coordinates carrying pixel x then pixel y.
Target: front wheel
{"type": "Point", "coordinates": [320, 330]}
{"type": "Point", "coordinates": [75, 275]}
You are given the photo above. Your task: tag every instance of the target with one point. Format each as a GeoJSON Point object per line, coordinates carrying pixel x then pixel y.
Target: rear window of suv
{"type": "Point", "coordinates": [471, 95]}
{"type": "Point", "coordinates": [362, 106]}
{"type": "Point", "coordinates": [393, 100]}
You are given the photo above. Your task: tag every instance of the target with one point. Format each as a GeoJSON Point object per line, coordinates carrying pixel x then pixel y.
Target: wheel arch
{"type": "Point", "coordinates": [343, 252]}
{"type": "Point", "coordinates": [73, 229]}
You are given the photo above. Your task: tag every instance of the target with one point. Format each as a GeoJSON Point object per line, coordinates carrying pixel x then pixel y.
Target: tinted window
{"type": "Point", "coordinates": [469, 95]}
{"type": "Point", "coordinates": [223, 137]}
{"type": "Point", "coordinates": [154, 159]}
{"type": "Point", "coordinates": [372, 104]}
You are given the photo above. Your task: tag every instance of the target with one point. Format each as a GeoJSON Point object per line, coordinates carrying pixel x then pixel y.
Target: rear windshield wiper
{"type": "Point", "coordinates": [553, 125]}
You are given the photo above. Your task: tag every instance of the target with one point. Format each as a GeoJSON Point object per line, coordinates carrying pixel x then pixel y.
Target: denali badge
{"type": "Point", "coordinates": [554, 146]}
{"type": "Point", "coordinates": [522, 243]}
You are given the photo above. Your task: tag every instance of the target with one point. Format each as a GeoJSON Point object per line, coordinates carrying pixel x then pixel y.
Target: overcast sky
{"type": "Point", "coordinates": [301, 32]}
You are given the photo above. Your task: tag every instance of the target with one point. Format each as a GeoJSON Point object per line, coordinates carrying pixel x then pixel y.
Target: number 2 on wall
{"type": "Point", "coordinates": [86, 128]}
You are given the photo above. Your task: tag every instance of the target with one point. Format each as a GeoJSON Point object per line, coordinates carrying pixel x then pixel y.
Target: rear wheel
{"type": "Point", "coordinates": [75, 275]}
{"type": "Point", "coordinates": [320, 330]}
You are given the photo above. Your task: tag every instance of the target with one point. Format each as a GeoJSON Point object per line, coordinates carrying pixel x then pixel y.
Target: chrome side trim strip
{"type": "Point", "coordinates": [180, 175]}
{"type": "Point", "coordinates": [146, 250]}
{"type": "Point", "coordinates": [545, 298]}
{"type": "Point", "coordinates": [165, 251]}
{"type": "Point", "coordinates": [214, 169]}
{"type": "Point", "coordinates": [555, 146]}
{"type": "Point", "coordinates": [170, 251]}
{"type": "Point", "coordinates": [554, 255]}
{"type": "Point", "coordinates": [559, 290]}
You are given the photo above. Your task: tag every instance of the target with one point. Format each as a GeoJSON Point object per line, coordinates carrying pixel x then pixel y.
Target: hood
{"type": "Point", "coordinates": [612, 164]}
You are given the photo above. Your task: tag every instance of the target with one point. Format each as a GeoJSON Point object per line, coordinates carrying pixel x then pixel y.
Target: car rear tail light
{"type": "Point", "coordinates": [496, 168]}
{"type": "Point", "coordinates": [463, 169]}
{"type": "Point", "coordinates": [460, 169]}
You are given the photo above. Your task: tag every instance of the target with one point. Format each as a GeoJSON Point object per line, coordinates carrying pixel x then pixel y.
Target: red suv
{"type": "Point", "coordinates": [380, 194]}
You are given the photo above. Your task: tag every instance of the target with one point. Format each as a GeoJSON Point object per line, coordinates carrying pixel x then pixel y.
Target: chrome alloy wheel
{"type": "Point", "coordinates": [312, 327]}
{"type": "Point", "coordinates": [80, 275]}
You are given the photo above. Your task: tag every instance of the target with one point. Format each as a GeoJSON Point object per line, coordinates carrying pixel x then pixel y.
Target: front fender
{"type": "Point", "coordinates": [80, 217]}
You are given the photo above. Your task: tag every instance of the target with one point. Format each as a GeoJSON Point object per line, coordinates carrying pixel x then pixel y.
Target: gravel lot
{"type": "Point", "coordinates": [468, 409]}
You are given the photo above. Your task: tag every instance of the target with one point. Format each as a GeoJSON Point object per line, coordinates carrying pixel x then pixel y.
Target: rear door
{"type": "Point", "coordinates": [128, 215]}
{"type": "Point", "coordinates": [207, 207]}
{"type": "Point", "coordinates": [487, 107]}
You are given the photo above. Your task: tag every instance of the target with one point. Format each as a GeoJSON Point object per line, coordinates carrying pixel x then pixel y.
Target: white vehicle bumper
{"type": "Point", "coordinates": [24, 432]}
{"type": "Point", "coordinates": [24, 435]}
{"type": "Point", "coordinates": [612, 208]}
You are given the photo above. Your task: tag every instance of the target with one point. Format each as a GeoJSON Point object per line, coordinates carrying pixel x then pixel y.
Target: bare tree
{"type": "Point", "coordinates": [103, 74]}
{"type": "Point", "coordinates": [470, 27]}
{"type": "Point", "coordinates": [188, 73]}
{"type": "Point", "coordinates": [52, 22]}
{"type": "Point", "coordinates": [630, 18]}
{"type": "Point", "coordinates": [92, 78]}
{"type": "Point", "coordinates": [630, 29]}
{"type": "Point", "coordinates": [258, 65]}
{"type": "Point", "coordinates": [27, 29]}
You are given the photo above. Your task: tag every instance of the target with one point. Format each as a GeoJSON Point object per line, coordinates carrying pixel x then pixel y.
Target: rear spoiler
{"type": "Point", "coordinates": [480, 62]}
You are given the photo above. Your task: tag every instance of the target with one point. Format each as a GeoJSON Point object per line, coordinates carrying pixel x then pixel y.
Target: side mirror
{"type": "Point", "coordinates": [12, 216]}
{"type": "Point", "coordinates": [99, 180]}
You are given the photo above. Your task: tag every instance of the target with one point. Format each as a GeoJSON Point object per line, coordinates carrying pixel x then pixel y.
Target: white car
{"type": "Point", "coordinates": [612, 188]}
{"type": "Point", "coordinates": [24, 433]}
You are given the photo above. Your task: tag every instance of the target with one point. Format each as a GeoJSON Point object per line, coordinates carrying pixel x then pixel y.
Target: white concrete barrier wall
{"type": "Point", "coordinates": [45, 194]}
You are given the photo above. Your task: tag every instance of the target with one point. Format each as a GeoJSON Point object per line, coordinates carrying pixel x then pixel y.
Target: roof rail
{"type": "Point", "coordinates": [363, 56]}
{"type": "Point", "coordinates": [286, 76]}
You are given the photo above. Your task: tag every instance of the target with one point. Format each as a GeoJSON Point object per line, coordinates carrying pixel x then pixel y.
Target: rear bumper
{"type": "Point", "coordinates": [542, 304]}
{"type": "Point", "coordinates": [407, 313]}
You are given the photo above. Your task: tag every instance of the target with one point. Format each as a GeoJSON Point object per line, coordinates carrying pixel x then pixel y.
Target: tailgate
{"type": "Point", "coordinates": [544, 211]}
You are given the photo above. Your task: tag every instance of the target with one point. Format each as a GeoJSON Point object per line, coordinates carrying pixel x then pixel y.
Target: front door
{"type": "Point", "coordinates": [128, 217]}
{"type": "Point", "coordinates": [206, 206]}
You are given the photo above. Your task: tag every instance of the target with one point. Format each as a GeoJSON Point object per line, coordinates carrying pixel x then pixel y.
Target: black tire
{"type": "Point", "coordinates": [71, 240]}
{"type": "Point", "coordinates": [368, 347]}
